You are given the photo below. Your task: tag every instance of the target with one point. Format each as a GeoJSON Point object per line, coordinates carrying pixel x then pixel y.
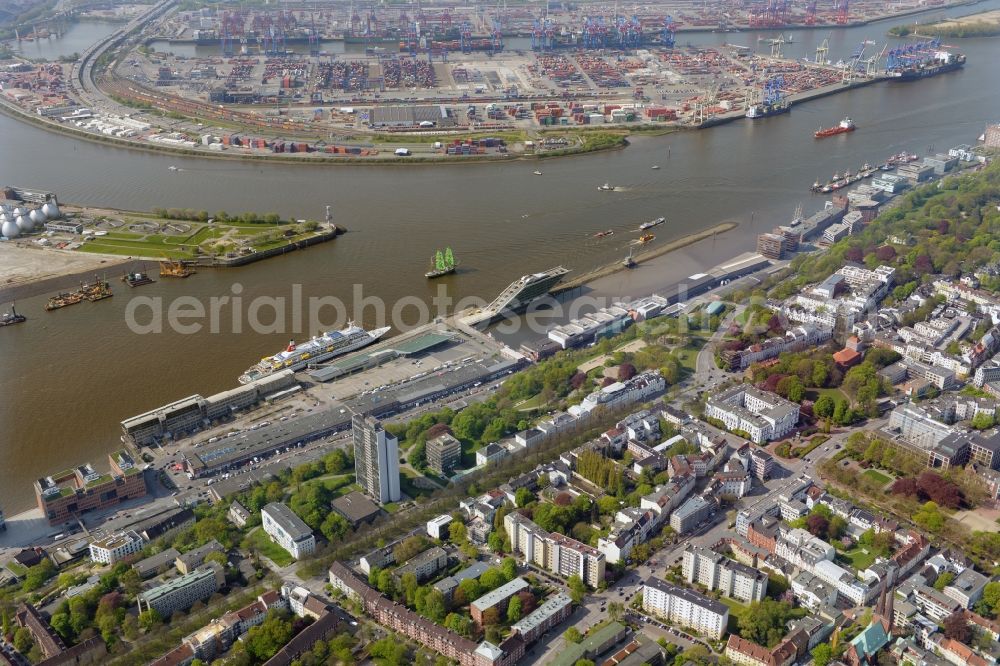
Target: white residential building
{"type": "Point", "coordinates": [685, 607]}
{"type": "Point", "coordinates": [116, 547]}
{"type": "Point", "coordinates": [287, 530]}
{"type": "Point", "coordinates": [717, 572]}
{"type": "Point", "coordinates": [763, 416]}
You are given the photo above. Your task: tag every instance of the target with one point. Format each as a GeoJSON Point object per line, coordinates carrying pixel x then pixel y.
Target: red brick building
{"type": "Point", "coordinates": [75, 491]}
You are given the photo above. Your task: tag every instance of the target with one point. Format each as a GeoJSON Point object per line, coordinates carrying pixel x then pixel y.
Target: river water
{"type": "Point", "coordinates": [68, 377]}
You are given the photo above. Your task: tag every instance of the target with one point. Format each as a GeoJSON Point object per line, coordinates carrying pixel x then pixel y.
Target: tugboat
{"type": "Point", "coordinates": [845, 125]}
{"type": "Point", "coordinates": [607, 187]}
{"type": "Point", "coordinates": [628, 262]}
{"type": "Point", "coordinates": [12, 317]}
{"type": "Point", "coordinates": [442, 264]}
{"type": "Point", "coordinates": [645, 238]}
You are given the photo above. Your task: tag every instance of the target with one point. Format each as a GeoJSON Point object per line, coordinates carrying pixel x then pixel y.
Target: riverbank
{"type": "Point", "coordinates": [30, 271]}
{"type": "Point", "coordinates": [589, 277]}
{"type": "Point", "coordinates": [981, 24]}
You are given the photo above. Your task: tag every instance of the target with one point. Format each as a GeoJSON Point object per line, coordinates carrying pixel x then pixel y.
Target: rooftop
{"type": "Point", "coordinates": [686, 594]}
{"type": "Point", "coordinates": [287, 521]}
{"type": "Point", "coordinates": [494, 597]}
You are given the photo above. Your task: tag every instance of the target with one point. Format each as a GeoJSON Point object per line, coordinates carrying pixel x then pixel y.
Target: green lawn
{"type": "Point", "coordinates": [859, 558]}
{"type": "Point", "coordinates": [877, 476]}
{"type": "Point", "coordinates": [261, 542]}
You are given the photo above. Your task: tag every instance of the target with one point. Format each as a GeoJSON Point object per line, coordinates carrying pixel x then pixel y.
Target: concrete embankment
{"type": "Point", "coordinates": [641, 257]}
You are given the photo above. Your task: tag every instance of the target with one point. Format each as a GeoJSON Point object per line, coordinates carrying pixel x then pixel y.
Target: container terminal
{"type": "Point", "coordinates": [264, 77]}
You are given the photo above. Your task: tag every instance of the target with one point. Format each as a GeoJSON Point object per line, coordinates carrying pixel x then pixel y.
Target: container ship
{"type": "Point", "coordinates": [442, 264]}
{"type": "Point", "coordinates": [755, 111]}
{"type": "Point", "coordinates": [942, 62]}
{"type": "Point", "coordinates": [316, 350]}
{"type": "Point", "coordinates": [652, 223]}
{"type": "Point", "coordinates": [845, 125]}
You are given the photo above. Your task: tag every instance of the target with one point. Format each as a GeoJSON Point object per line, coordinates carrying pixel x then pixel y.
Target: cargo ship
{"type": "Point", "coordinates": [845, 125]}
{"type": "Point", "coordinates": [942, 62]}
{"type": "Point", "coordinates": [442, 264]}
{"type": "Point", "coordinates": [12, 317]}
{"type": "Point", "coordinates": [315, 350]}
{"type": "Point", "coordinates": [652, 223]}
{"type": "Point", "coordinates": [755, 111]}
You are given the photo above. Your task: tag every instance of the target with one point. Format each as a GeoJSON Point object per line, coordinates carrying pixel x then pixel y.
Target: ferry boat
{"type": "Point", "coordinates": [318, 349]}
{"type": "Point", "coordinates": [652, 223]}
{"type": "Point", "coordinates": [845, 125]}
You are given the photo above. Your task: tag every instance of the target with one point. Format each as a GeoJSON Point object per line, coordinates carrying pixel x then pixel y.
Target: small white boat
{"type": "Point", "coordinates": [173, 168]}
{"type": "Point", "coordinates": [537, 173]}
{"type": "Point", "coordinates": [607, 187]}
{"type": "Point", "coordinates": [655, 166]}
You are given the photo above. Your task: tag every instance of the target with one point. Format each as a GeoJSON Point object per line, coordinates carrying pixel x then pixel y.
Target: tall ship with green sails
{"type": "Point", "coordinates": [442, 264]}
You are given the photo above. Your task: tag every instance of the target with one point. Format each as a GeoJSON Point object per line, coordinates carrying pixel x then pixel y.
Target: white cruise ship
{"type": "Point", "coordinates": [315, 350]}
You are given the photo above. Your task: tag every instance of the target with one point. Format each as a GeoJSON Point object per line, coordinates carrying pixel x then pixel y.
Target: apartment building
{"type": "Point", "coordinates": [691, 514]}
{"type": "Point", "coordinates": [444, 454]}
{"type": "Point", "coordinates": [181, 593]}
{"type": "Point", "coordinates": [116, 547]}
{"type": "Point", "coordinates": [376, 459]}
{"type": "Point", "coordinates": [425, 564]}
{"type": "Point", "coordinates": [717, 572]}
{"type": "Point", "coordinates": [747, 653]}
{"type": "Point", "coordinates": [287, 530]}
{"type": "Point", "coordinates": [498, 599]}
{"type": "Point", "coordinates": [550, 613]}
{"type": "Point", "coordinates": [763, 416]}
{"type": "Point", "coordinates": [554, 552]}
{"type": "Point", "coordinates": [619, 394]}
{"type": "Point", "coordinates": [685, 607]}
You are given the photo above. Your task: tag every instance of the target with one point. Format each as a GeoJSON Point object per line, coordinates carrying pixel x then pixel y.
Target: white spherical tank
{"type": "Point", "coordinates": [18, 212]}
{"type": "Point", "coordinates": [37, 216]}
{"type": "Point", "coordinates": [51, 210]}
{"type": "Point", "coordinates": [26, 224]}
{"type": "Point", "coordinates": [10, 230]}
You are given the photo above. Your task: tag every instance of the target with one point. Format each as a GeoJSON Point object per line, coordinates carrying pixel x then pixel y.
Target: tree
{"type": "Point", "coordinates": [334, 527]}
{"type": "Point", "coordinates": [990, 603]}
{"type": "Point", "coordinates": [418, 456]}
{"type": "Point", "coordinates": [148, 619]}
{"type": "Point", "coordinates": [763, 622]}
{"type": "Point", "coordinates": [956, 627]}
{"type": "Point", "coordinates": [822, 654]}
{"type": "Point", "coordinates": [263, 641]}
{"type": "Point", "coordinates": [435, 607]}
{"type": "Point", "coordinates": [22, 640]}
{"type": "Point", "coordinates": [523, 497]}
{"type": "Point", "coordinates": [460, 624]}
{"type": "Point", "coordinates": [929, 517]}
{"type": "Point", "coordinates": [495, 542]}
{"type": "Point", "coordinates": [388, 651]}
{"type": "Point", "coordinates": [457, 532]}
{"type": "Point", "coordinates": [573, 635]}
{"type": "Point", "coordinates": [60, 623]}
{"type": "Point", "coordinates": [514, 610]}
{"type": "Point", "coordinates": [491, 616]}
{"type": "Point", "coordinates": [509, 568]}
{"type": "Point", "coordinates": [836, 527]}
{"type": "Point", "coordinates": [410, 547]}
{"type": "Point", "coordinates": [386, 583]}
{"type": "Point", "coordinates": [335, 462]}
{"type": "Point", "coordinates": [577, 589]}
{"type": "Point", "coordinates": [615, 611]}
{"type": "Point", "coordinates": [491, 579]}
{"type": "Point", "coordinates": [817, 525]}
{"type": "Point", "coordinates": [408, 586]}
{"type": "Point", "coordinates": [944, 580]}
{"type": "Point", "coordinates": [940, 490]}
{"type": "Point", "coordinates": [824, 406]}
